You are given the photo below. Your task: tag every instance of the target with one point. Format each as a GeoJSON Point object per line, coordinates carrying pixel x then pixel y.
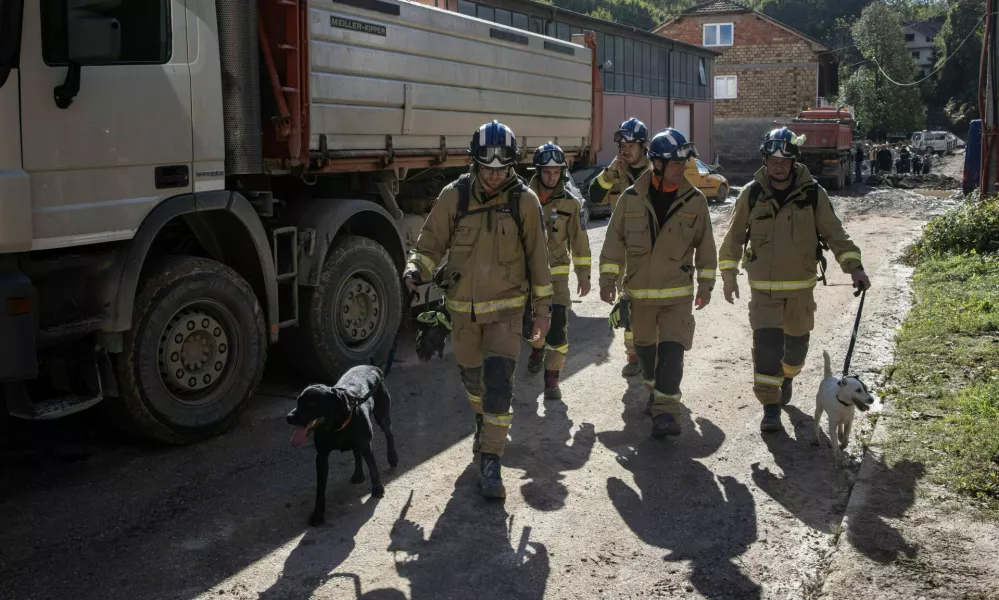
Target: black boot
{"type": "Point", "coordinates": [536, 361]}
{"type": "Point", "coordinates": [552, 391]}
{"type": "Point", "coordinates": [476, 442]}
{"type": "Point", "coordinates": [490, 480]}
{"type": "Point", "coordinates": [771, 418]}
{"type": "Point", "coordinates": [664, 425]}
{"type": "Point", "coordinates": [648, 405]}
{"type": "Point", "coordinates": [785, 391]}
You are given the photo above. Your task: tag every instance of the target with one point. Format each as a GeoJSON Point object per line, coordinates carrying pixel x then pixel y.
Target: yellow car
{"type": "Point", "coordinates": [706, 179]}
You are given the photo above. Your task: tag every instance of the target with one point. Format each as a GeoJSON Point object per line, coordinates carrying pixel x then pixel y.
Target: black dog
{"type": "Point", "coordinates": [340, 418]}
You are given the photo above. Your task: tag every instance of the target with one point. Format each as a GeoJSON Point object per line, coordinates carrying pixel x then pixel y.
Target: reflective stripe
{"type": "Point", "coordinates": [581, 261]}
{"type": "Point", "coordinates": [706, 275]}
{"type": "Point", "coordinates": [603, 182]}
{"type": "Point", "coordinates": [663, 293]}
{"type": "Point", "coordinates": [562, 270]}
{"type": "Point", "coordinates": [610, 269]}
{"type": "Point", "coordinates": [563, 349]}
{"type": "Point", "coordinates": [540, 291]}
{"type": "Point", "coordinates": [473, 398]}
{"type": "Point", "coordinates": [772, 286]}
{"type": "Point", "coordinates": [659, 394]}
{"type": "Point", "coordinates": [762, 379]}
{"type": "Point", "coordinates": [628, 335]}
{"type": "Point", "coordinates": [423, 259]}
{"type": "Point", "coordinates": [486, 307]}
{"type": "Point", "coordinates": [500, 420]}
{"type": "Point", "coordinates": [842, 258]}
{"type": "Point", "coordinates": [728, 264]}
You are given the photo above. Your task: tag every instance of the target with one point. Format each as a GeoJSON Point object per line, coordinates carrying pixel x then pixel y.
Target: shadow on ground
{"type": "Point", "coordinates": [894, 493]}
{"type": "Point", "coordinates": [681, 506]}
{"type": "Point", "coordinates": [86, 513]}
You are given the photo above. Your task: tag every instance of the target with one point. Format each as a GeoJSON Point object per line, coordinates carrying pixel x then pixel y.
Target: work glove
{"type": "Point", "coordinates": [432, 329]}
{"type": "Point", "coordinates": [620, 315]}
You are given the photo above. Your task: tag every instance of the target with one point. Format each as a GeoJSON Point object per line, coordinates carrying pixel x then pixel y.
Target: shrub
{"type": "Point", "coordinates": [972, 227]}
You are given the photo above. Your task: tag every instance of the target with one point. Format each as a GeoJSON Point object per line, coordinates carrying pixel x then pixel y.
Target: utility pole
{"type": "Point", "coordinates": [989, 131]}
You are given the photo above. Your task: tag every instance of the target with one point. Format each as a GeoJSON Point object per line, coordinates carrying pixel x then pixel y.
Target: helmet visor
{"type": "Point", "coordinates": [624, 135]}
{"type": "Point", "coordinates": [495, 156]}
{"type": "Point", "coordinates": [780, 149]}
{"type": "Point", "coordinates": [550, 158]}
{"type": "Point", "coordinates": [680, 154]}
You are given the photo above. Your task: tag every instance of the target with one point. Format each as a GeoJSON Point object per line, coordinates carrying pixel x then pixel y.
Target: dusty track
{"type": "Point", "coordinates": [595, 509]}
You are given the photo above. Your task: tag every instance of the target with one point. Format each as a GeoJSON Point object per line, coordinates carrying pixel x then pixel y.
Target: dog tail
{"type": "Point", "coordinates": [828, 366]}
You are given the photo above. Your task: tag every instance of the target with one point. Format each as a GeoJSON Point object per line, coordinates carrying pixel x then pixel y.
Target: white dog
{"type": "Point", "coordinates": [839, 398]}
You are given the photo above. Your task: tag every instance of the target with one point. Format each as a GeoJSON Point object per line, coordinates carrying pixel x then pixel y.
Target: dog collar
{"type": "Point", "coordinates": [350, 416]}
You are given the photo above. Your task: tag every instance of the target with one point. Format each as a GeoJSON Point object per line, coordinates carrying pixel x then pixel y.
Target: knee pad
{"type": "Point", "coordinates": [670, 368]}
{"type": "Point", "coordinates": [795, 349]}
{"type": "Point", "coordinates": [647, 361]}
{"type": "Point", "coordinates": [768, 350]}
{"type": "Point", "coordinates": [497, 377]}
{"type": "Point", "coordinates": [558, 333]}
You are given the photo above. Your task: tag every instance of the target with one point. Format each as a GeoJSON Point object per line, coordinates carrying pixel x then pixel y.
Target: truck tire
{"type": "Point", "coordinates": [352, 316]}
{"type": "Point", "coordinates": [194, 355]}
{"type": "Point", "coordinates": [836, 182]}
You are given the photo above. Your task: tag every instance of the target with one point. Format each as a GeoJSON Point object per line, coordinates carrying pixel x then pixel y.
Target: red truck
{"type": "Point", "coordinates": [828, 143]}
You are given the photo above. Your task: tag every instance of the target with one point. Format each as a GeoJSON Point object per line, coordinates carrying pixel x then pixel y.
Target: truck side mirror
{"type": "Point", "coordinates": [91, 39]}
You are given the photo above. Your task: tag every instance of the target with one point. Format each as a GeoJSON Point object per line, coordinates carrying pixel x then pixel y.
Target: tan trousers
{"type": "Point", "coordinates": [556, 343]}
{"type": "Point", "coordinates": [781, 328]}
{"type": "Point", "coordinates": [662, 334]}
{"type": "Point", "coordinates": [487, 355]}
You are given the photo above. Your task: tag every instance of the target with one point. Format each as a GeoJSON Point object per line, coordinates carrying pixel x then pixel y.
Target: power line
{"type": "Point", "coordinates": [950, 55]}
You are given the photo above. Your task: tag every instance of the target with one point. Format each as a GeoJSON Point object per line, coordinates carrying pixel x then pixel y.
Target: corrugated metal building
{"type": "Point", "coordinates": [661, 81]}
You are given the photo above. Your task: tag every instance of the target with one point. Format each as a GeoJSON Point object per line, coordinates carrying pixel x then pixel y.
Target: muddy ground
{"type": "Point", "coordinates": [595, 508]}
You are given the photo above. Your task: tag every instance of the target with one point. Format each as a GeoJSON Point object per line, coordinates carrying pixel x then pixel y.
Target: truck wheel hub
{"type": "Point", "coordinates": [193, 351]}
{"type": "Point", "coordinates": [359, 310]}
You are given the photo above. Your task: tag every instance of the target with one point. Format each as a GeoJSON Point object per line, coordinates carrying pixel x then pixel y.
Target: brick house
{"type": "Point", "coordinates": [767, 71]}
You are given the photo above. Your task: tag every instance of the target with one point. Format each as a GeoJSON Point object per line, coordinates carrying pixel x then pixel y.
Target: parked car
{"type": "Point", "coordinates": [954, 141]}
{"type": "Point", "coordinates": [973, 157]}
{"type": "Point", "coordinates": [931, 141]}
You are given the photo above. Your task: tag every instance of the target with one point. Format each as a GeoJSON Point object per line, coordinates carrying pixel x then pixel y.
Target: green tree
{"type": "Point", "coordinates": [957, 83]}
{"type": "Point", "coordinates": [881, 104]}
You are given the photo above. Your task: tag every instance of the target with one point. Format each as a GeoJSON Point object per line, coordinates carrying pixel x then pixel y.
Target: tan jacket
{"type": "Point", "coordinates": [662, 273]}
{"type": "Point", "coordinates": [485, 276]}
{"type": "Point", "coordinates": [566, 234]}
{"type": "Point", "coordinates": [609, 184]}
{"type": "Point", "coordinates": [781, 259]}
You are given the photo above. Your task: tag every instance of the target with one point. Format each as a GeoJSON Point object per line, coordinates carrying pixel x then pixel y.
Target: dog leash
{"type": "Point", "coordinates": [862, 292]}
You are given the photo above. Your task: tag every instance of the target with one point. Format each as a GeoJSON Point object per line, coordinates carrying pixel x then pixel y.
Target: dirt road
{"type": "Point", "coordinates": [595, 509]}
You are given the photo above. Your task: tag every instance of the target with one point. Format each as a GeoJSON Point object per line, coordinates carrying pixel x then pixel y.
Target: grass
{"type": "Point", "coordinates": [945, 379]}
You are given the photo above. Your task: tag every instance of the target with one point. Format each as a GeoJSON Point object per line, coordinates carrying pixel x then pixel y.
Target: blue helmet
{"type": "Point", "coordinates": [494, 145]}
{"type": "Point", "coordinates": [782, 143]}
{"type": "Point", "coordinates": [632, 130]}
{"type": "Point", "coordinates": [549, 155]}
{"type": "Point", "coordinates": [671, 145]}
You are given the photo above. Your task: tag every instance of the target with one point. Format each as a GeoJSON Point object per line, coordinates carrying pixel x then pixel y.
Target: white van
{"type": "Point", "coordinates": [931, 141]}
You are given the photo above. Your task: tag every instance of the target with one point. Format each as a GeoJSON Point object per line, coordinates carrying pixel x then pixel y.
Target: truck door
{"type": "Point", "coordinates": [98, 166]}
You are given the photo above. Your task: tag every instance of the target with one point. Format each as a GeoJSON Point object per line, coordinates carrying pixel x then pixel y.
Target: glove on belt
{"type": "Point", "coordinates": [433, 327]}
{"type": "Point", "coordinates": [620, 315]}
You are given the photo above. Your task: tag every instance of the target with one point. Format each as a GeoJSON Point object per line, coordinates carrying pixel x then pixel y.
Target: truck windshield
{"type": "Point", "coordinates": [10, 36]}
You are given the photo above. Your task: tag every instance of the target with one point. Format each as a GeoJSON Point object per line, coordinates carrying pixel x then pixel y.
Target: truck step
{"type": "Point", "coordinates": [285, 248]}
{"type": "Point", "coordinates": [57, 332]}
{"type": "Point", "coordinates": [19, 404]}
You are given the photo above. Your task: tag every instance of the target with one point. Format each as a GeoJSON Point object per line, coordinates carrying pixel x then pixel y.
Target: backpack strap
{"type": "Point", "coordinates": [464, 194]}
{"type": "Point", "coordinates": [755, 189]}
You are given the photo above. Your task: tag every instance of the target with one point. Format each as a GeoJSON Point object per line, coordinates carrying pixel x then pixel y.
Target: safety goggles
{"type": "Point", "coordinates": [681, 154]}
{"type": "Point", "coordinates": [550, 158]}
{"type": "Point", "coordinates": [495, 156]}
{"type": "Point", "coordinates": [623, 135]}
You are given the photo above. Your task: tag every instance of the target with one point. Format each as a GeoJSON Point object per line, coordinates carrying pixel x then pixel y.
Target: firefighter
{"type": "Point", "coordinates": [782, 217]}
{"type": "Point", "coordinates": [629, 164]}
{"type": "Point", "coordinates": [659, 232]}
{"type": "Point", "coordinates": [563, 218]}
{"type": "Point", "coordinates": [489, 224]}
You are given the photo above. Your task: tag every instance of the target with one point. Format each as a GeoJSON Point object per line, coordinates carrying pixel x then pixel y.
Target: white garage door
{"type": "Point", "coordinates": [681, 119]}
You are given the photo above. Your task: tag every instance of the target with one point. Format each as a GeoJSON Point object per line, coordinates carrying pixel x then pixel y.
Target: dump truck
{"type": "Point", "coordinates": [827, 151]}
{"type": "Point", "coordinates": [189, 185]}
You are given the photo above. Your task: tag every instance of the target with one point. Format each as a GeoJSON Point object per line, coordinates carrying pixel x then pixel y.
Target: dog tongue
{"type": "Point", "coordinates": [300, 436]}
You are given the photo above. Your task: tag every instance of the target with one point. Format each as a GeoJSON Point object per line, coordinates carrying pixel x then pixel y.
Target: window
{"type": "Point", "coordinates": [502, 16]}
{"type": "Point", "coordinates": [520, 21]}
{"type": "Point", "coordinates": [485, 13]}
{"type": "Point", "coordinates": [145, 31]}
{"type": "Point", "coordinates": [537, 26]}
{"type": "Point", "coordinates": [929, 38]}
{"type": "Point", "coordinates": [702, 76]}
{"type": "Point", "coordinates": [726, 87]}
{"type": "Point", "coordinates": [702, 169]}
{"type": "Point", "coordinates": [466, 8]}
{"type": "Point", "coordinates": [718, 34]}
{"type": "Point", "coordinates": [910, 37]}
{"type": "Point", "coordinates": [915, 55]}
